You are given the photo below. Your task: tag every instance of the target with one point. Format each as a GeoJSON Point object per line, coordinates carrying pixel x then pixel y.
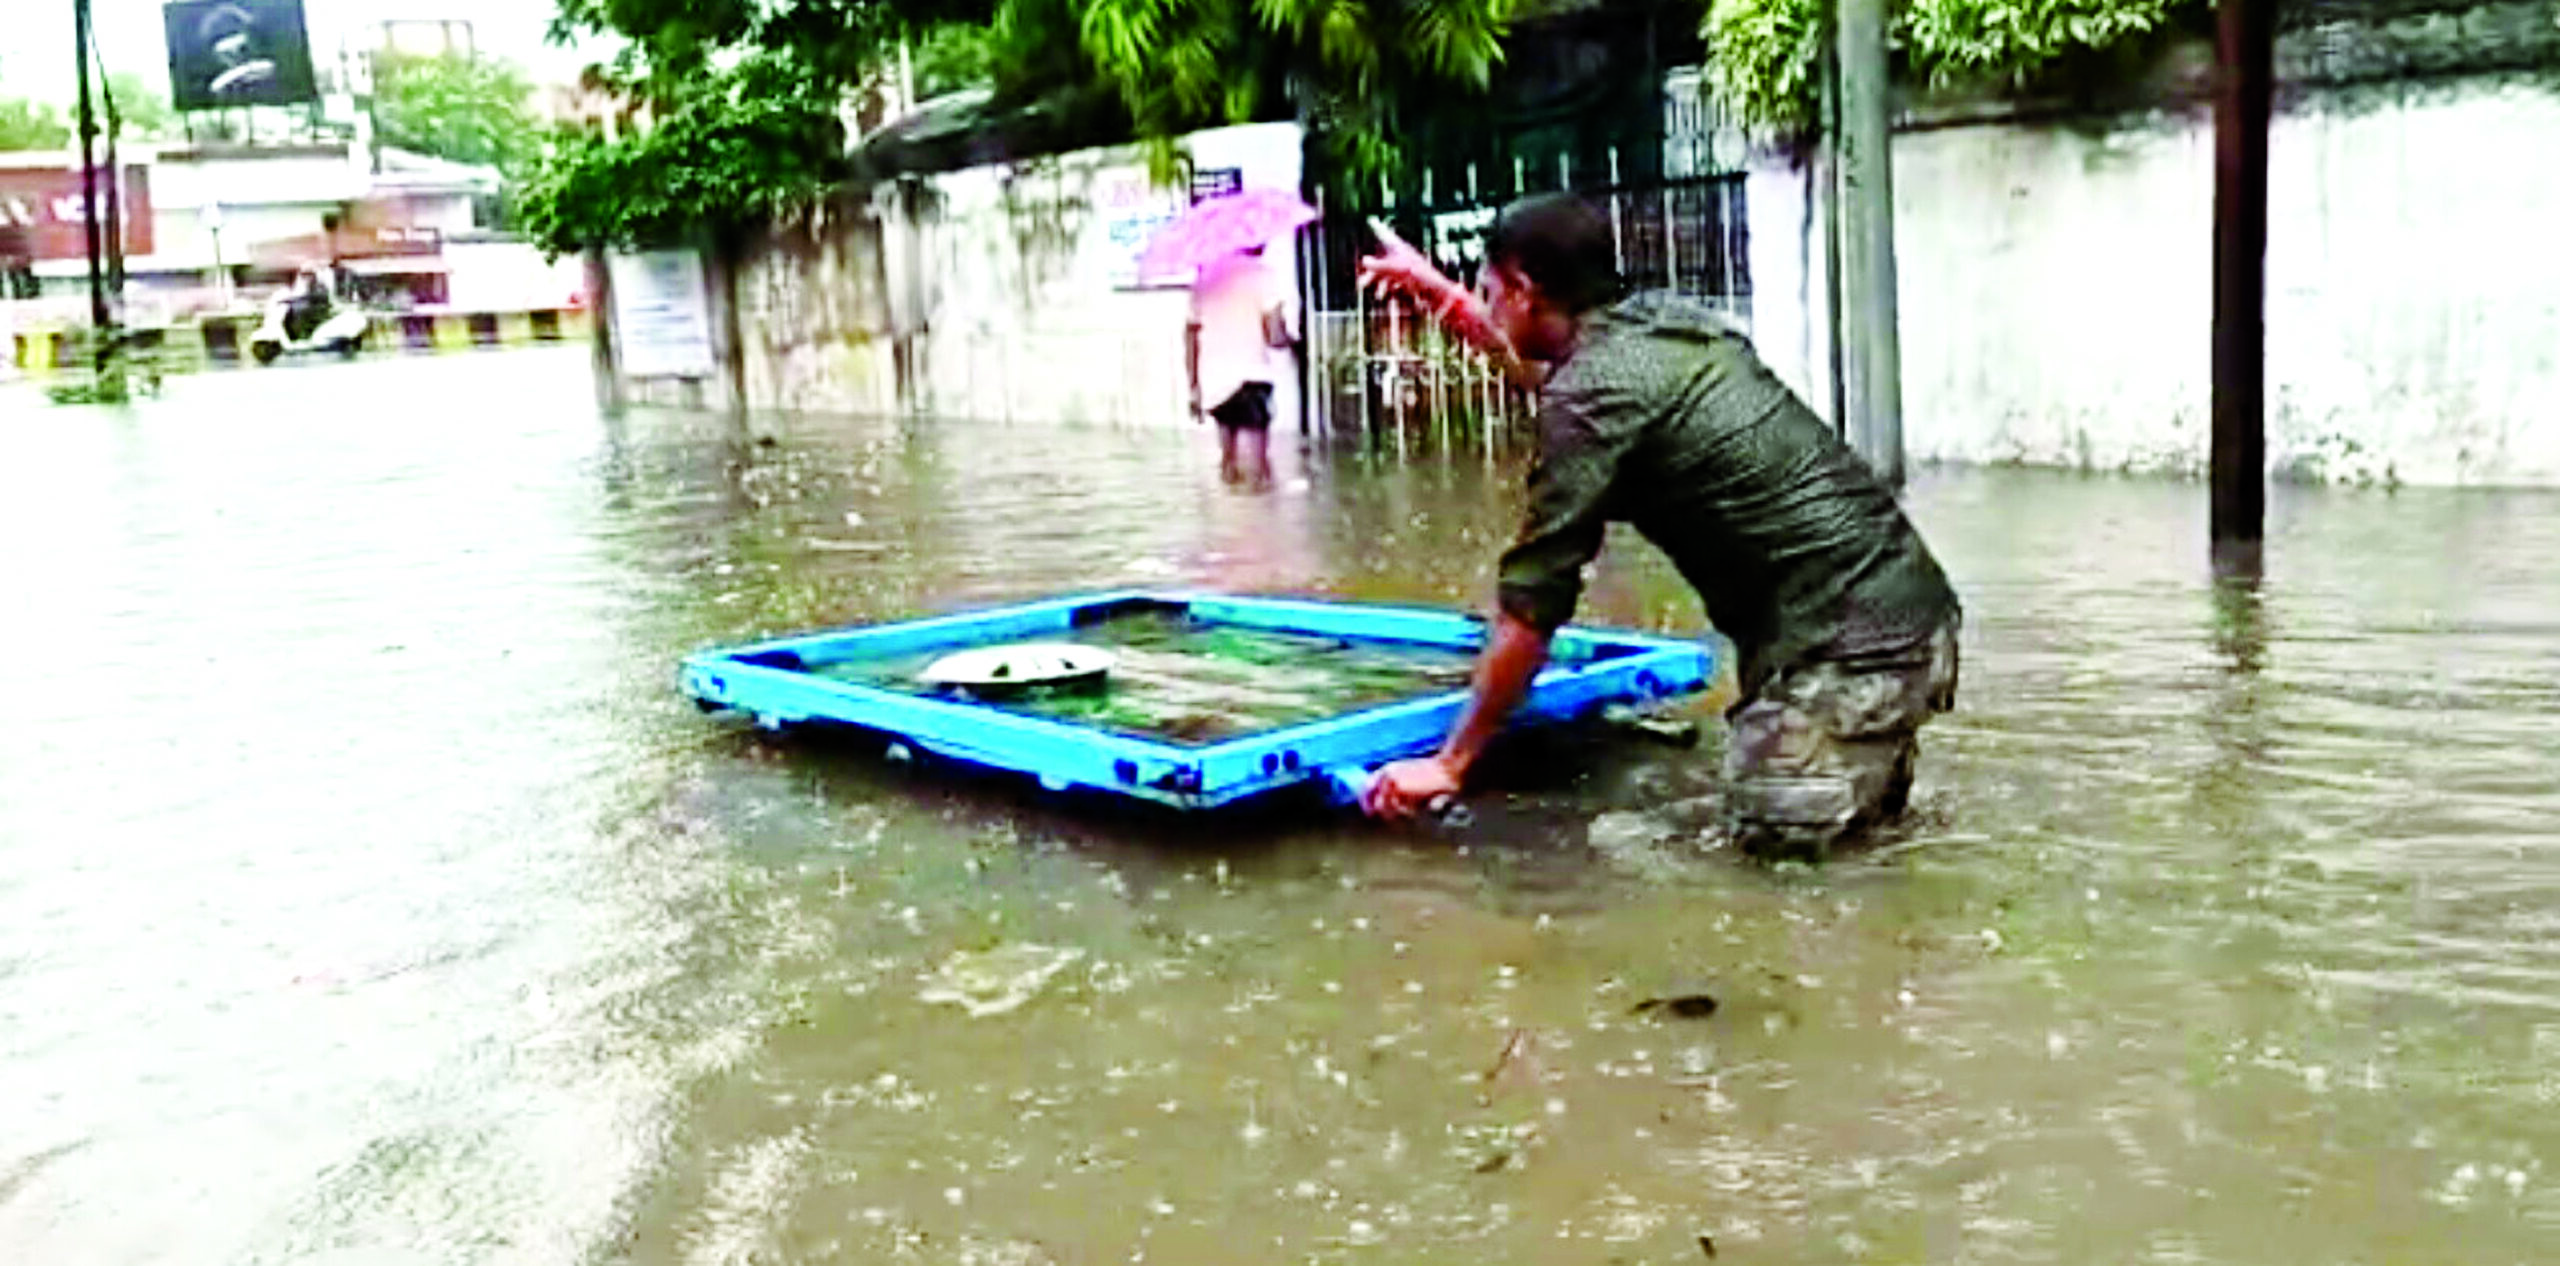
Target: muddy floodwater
{"type": "Point", "coordinates": [368, 894]}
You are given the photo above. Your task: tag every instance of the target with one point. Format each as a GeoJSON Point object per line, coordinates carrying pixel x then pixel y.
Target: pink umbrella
{"type": "Point", "coordinates": [1212, 230]}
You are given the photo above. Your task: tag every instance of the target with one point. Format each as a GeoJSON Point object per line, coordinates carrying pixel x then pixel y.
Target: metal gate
{"type": "Point", "coordinates": [1383, 372]}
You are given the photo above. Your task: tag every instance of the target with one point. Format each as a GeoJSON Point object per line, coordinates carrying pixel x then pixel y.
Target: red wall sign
{"type": "Point", "coordinates": [44, 207]}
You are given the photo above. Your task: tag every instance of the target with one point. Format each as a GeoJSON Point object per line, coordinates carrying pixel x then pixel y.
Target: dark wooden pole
{"type": "Point", "coordinates": [1871, 324]}
{"type": "Point", "coordinates": [2243, 93]}
{"type": "Point", "coordinates": [605, 351]}
{"type": "Point", "coordinates": [89, 169]}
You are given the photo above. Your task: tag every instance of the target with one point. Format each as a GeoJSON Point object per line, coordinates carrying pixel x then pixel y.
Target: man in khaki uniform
{"type": "Point", "coordinates": [1654, 411]}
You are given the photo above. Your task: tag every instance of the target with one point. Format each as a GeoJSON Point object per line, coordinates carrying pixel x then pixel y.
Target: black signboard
{"type": "Point", "coordinates": [226, 53]}
{"type": "Point", "coordinates": [1216, 182]}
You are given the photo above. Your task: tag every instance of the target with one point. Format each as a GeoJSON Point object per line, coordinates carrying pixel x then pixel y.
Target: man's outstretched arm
{"type": "Point", "coordinates": [1582, 440]}
{"type": "Point", "coordinates": [1399, 269]}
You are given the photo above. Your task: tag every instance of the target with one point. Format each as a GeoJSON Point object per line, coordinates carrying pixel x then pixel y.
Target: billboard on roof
{"type": "Point", "coordinates": [225, 53]}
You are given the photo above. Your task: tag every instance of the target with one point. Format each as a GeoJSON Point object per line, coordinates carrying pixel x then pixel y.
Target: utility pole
{"type": "Point", "coordinates": [113, 231]}
{"type": "Point", "coordinates": [89, 176]}
{"type": "Point", "coordinates": [1822, 188]}
{"type": "Point", "coordinates": [1873, 381]}
{"type": "Point", "coordinates": [2242, 96]}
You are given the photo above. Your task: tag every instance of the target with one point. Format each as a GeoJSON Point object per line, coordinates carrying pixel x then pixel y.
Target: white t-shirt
{"type": "Point", "coordinates": [1227, 303]}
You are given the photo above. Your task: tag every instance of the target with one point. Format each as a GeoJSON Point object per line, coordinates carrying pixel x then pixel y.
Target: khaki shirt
{"type": "Point", "coordinates": [1664, 418]}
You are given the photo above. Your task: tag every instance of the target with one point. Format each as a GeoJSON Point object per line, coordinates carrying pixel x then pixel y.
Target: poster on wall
{"type": "Point", "coordinates": [1133, 208]}
{"type": "Point", "coordinates": [1457, 239]}
{"type": "Point", "coordinates": [661, 315]}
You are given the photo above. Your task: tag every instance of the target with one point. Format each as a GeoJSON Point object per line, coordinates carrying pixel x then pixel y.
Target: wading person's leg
{"type": "Point", "coordinates": [1244, 435]}
{"type": "Point", "coordinates": [1226, 451]}
{"type": "Point", "coordinates": [1825, 751]}
{"type": "Point", "coordinates": [1255, 455]}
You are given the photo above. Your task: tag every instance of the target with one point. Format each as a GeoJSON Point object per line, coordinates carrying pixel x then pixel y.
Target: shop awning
{"type": "Point", "coordinates": [398, 266]}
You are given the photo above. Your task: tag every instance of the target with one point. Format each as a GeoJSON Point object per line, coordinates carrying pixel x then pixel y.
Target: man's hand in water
{"type": "Point", "coordinates": [1408, 787]}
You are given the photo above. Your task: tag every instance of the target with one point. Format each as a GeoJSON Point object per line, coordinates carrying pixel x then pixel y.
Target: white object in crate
{"type": "Point", "coordinates": [987, 669]}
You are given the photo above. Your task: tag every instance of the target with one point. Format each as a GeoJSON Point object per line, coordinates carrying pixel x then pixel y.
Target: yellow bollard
{"type": "Point", "coordinates": [452, 332]}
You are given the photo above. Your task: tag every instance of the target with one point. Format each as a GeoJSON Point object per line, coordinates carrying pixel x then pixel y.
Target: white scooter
{"type": "Point", "coordinates": [308, 321]}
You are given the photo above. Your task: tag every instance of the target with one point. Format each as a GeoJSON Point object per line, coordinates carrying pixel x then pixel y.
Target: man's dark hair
{"type": "Point", "coordinates": [1562, 243]}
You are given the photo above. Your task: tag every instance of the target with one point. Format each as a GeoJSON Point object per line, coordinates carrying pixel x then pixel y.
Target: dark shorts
{"type": "Point", "coordinates": [1249, 409]}
{"type": "Point", "coordinates": [1826, 749]}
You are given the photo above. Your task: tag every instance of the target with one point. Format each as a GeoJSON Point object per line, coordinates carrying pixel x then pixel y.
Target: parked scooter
{"type": "Point", "coordinates": [308, 318]}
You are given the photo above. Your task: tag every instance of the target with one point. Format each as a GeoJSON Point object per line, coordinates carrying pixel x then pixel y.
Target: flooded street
{"type": "Point", "coordinates": [368, 894]}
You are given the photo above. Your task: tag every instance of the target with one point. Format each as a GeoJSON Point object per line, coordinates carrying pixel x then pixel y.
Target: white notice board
{"type": "Point", "coordinates": [661, 315]}
{"type": "Point", "coordinates": [1133, 208]}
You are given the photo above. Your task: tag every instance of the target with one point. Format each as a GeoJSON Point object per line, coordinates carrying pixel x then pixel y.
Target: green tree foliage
{"type": "Point", "coordinates": [953, 57]}
{"type": "Point", "coordinates": [1763, 55]}
{"type": "Point", "coordinates": [833, 43]}
{"type": "Point", "coordinates": [463, 108]}
{"type": "Point", "coordinates": [739, 115]}
{"type": "Point", "coordinates": [142, 108]}
{"type": "Point", "coordinates": [1351, 68]}
{"type": "Point", "coordinates": [26, 125]}
{"type": "Point", "coordinates": [744, 90]}
{"type": "Point", "coordinates": [733, 151]}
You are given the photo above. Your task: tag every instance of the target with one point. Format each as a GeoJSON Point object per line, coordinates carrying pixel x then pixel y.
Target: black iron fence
{"type": "Point", "coordinates": [1382, 372]}
{"type": "Point", "coordinates": [1690, 234]}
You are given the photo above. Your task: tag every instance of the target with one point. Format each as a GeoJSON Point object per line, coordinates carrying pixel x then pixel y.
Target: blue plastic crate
{"type": "Point", "coordinates": [786, 682]}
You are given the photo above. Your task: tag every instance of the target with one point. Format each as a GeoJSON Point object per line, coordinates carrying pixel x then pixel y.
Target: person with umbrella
{"type": "Point", "coordinates": [1242, 317]}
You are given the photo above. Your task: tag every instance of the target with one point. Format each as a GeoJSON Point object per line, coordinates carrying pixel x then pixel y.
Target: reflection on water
{"type": "Point", "coordinates": [368, 894]}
